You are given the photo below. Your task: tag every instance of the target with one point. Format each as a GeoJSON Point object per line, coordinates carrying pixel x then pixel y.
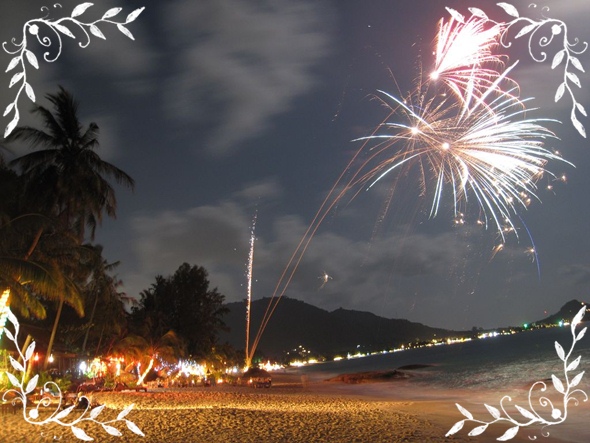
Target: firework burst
{"type": "Point", "coordinates": [464, 54]}
{"type": "Point", "coordinates": [494, 153]}
{"type": "Point", "coordinates": [464, 129]}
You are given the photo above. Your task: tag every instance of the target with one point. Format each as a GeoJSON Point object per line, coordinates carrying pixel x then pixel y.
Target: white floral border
{"type": "Point", "coordinates": [531, 415]}
{"type": "Point", "coordinates": [532, 29]}
{"type": "Point", "coordinates": [23, 57]}
{"type": "Point", "coordinates": [567, 56]}
{"type": "Point", "coordinates": [53, 396]}
{"type": "Point", "coordinates": [568, 53]}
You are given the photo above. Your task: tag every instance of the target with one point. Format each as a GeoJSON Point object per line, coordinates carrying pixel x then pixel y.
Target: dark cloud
{"type": "Point", "coordinates": [239, 78]}
{"type": "Point", "coordinates": [248, 60]}
{"type": "Point", "coordinates": [579, 274]}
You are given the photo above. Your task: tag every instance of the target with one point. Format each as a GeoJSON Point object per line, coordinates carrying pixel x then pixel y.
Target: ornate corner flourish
{"type": "Point", "coordinates": [23, 57]}
{"type": "Point", "coordinates": [564, 387]}
{"type": "Point", "coordinates": [53, 397]}
{"type": "Point", "coordinates": [537, 41]}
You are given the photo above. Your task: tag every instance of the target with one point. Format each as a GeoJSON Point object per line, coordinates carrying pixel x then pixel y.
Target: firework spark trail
{"type": "Point", "coordinates": [464, 56]}
{"type": "Point", "coordinates": [532, 251]}
{"type": "Point", "coordinates": [250, 270]}
{"type": "Point", "coordinates": [325, 278]}
{"type": "Point", "coordinates": [481, 143]}
{"type": "Point", "coordinates": [465, 59]}
{"type": "Point", "coordinates": [492, 152]}
{"type": "Point", "coordinates": [333, 198]}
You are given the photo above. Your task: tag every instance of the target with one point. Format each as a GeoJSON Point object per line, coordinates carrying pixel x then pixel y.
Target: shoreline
{"type": "Point", "coordinates": [296, 409]}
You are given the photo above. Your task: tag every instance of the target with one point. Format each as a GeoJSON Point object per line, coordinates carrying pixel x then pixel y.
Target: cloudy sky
{"type": "Point", "coordinates": [223, 109]}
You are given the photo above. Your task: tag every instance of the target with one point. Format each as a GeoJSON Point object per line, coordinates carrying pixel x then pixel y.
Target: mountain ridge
{"type": "Point", "coordinates": [297, 327]}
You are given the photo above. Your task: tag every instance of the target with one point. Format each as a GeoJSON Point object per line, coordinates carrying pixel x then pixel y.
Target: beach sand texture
{"type": "Point", "coordinates": [289, 412]}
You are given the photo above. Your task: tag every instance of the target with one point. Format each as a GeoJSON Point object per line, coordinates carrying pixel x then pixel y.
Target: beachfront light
{"type": "Point", "coordinates": [297, 363]}
{"type": "Point", "coordinates": [3, 309]}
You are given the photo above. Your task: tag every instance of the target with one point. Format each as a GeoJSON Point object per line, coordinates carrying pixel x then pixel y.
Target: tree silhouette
{"type": "Point", "coordinates": [65, 177]}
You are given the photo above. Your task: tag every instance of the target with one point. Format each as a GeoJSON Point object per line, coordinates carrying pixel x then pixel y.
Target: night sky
{"type": "Point", "coordinates": [223, 109]}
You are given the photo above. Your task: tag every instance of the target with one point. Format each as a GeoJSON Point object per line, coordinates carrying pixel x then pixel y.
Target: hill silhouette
{"type": "Point", "coordinates": [566, 313]}
{"type": "Point", "coordinates": [296, 323]}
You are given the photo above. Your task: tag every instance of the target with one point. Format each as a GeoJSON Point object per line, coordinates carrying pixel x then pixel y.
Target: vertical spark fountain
{"type": "Point", "coordinates": [249, 290]}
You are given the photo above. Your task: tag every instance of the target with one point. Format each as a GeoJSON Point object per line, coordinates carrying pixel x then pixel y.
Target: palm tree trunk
{"type": "Point", "coordinates": [34, 244]}
{"type": "Point", "coordinates": [142, 376]}
{"type": "Point", "coordinates": [53, 331]}
{"type": "Point", "coordinates": [90, 323]}
{"type": "Point", "coordinates": [99, 340]}
{"type": "Point", "coordinates": [30, 362]}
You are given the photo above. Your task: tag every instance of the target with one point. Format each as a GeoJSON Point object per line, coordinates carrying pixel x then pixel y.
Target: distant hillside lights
{"type": "Point", "coordinates": [300, 357]}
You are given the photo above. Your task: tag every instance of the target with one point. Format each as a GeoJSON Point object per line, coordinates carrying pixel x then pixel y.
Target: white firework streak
{"type": "Point", "coordinates": [464, 54]}
{"type": "Point", "coordinates": [531, 416]}
{"type": "Point", "coordinates": [465, 59]}
{"type": "Point", "coordinates": [250, 270]}
{"type": "Point", "coordinates": [23, 57]}
{"type": "Point", "coordinates": [492, 152]}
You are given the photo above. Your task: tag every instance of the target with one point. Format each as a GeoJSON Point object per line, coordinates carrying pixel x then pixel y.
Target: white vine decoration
{"type": "Point", "coordinates": [534, 28]}
{"type": "Point", "coordinates": [20, 391]}
{"type": "Point", "coordinates": [531, 416]}
{"type": "Point", "coordinates": [24, 57]}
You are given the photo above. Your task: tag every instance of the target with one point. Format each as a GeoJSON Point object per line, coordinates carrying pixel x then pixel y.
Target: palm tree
{"type": "Point", "coordinates": [145, 350]}
{"type": "Point", "coordinates": [29, 277]}
{"type": "Point", "coordinates": [104, 288]}
{"type": "Point", "coordinates": [66, 176]}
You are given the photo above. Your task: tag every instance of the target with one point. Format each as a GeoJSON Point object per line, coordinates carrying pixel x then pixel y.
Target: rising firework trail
{"type": "Point", "coordinates": [250, 270]}
{"type": "Point", "coordinates": [493, 153]}
{"type": "Point", "coordinates": [532, 250]}
{"type": "Point", "coordinates": [325, 278]}
{"type": "Point", "coordinates": [477, 142]}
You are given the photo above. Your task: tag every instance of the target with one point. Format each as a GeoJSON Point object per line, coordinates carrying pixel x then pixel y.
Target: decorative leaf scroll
{"type": "Point", "coordinates": [564, 386]}
{"type": "Point", "coordinates": [537, 31]}
{"type": "Point", "coordinates": [24, 57]}
{"type": "Point", "coordinates": [31, 415]}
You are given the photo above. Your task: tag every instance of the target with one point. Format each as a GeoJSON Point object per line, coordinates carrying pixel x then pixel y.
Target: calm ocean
{"type": "Point", "coordinates": [499, 362]}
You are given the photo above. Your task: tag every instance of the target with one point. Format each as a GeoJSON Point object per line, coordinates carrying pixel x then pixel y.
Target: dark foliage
{"type": "Point", "coordinates": [185, 304]}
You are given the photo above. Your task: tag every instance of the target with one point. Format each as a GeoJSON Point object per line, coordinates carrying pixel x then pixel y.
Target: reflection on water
{"type": "Point", "coordinates": [512, 361]}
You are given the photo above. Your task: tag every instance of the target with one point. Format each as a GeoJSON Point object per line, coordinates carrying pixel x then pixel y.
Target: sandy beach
{"type": "Point", "coordinates": [294, 410]}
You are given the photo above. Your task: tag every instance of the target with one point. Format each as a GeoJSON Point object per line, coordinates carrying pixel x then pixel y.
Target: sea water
{"type": "Point", "coordinates": [515, 360]}
{"type": "Point", "coordinates": [503, 371]}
